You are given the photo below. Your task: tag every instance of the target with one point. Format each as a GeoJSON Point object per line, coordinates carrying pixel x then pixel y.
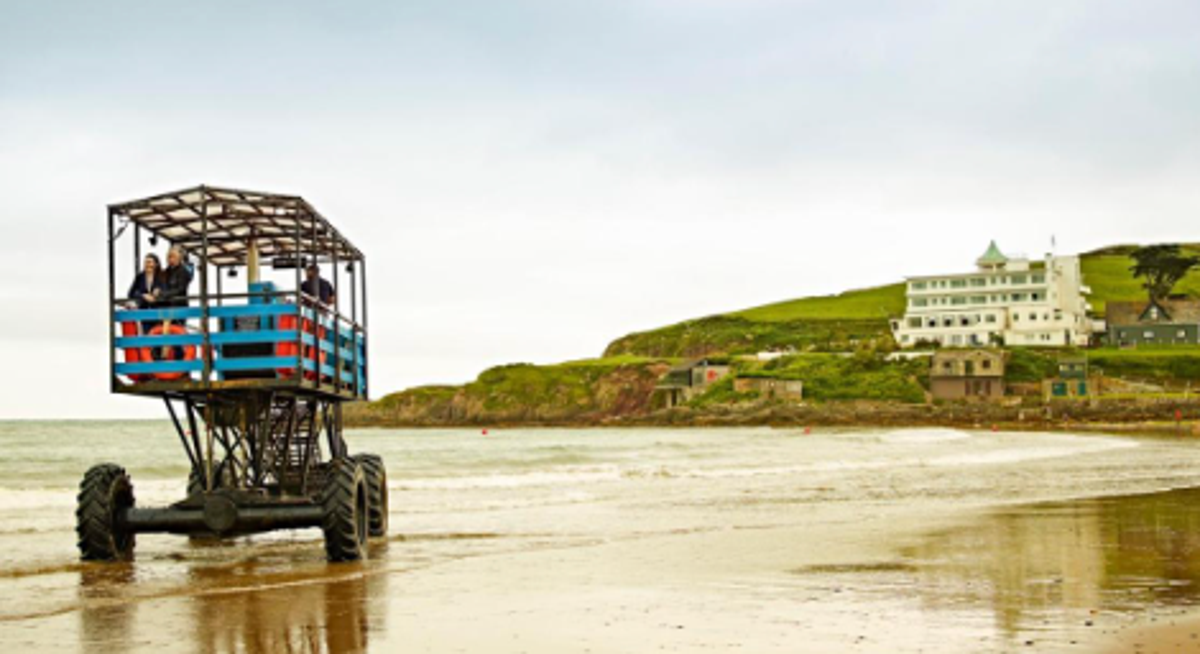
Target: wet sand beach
{"type": "Point", "coordinates": [755, 540]}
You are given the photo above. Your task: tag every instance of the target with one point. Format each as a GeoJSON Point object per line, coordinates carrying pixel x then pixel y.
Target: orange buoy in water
{"type": "Point", "coordinates": [485, 432]}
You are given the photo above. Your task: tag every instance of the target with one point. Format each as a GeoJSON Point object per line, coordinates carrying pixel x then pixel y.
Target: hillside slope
{"type": "Point", "coordinates": [850, 319]}
{"type": "Point", "coordinates": [589, 390]}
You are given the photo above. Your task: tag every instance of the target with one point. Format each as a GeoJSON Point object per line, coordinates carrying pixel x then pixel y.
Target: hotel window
{"type": "Point", "coordinates": [920, 302]}
{"type": "Point", "coordinates": [947, 322]}
{"type": "Point", "coordinates": [914, 322]}
{"type": "Point", "coordinates": [1016, 317]}
{"type": "Point", "coordinates": [958, 283]}
{"type": "Point", "coordinates": [990, 317]}
{"type": "Point", "coordinates": [918, 286]}
{"type": "Point", "coordinates": [1039, 279]}
{"type": "Point", "coordinates": [978, 281]}
{"type": "Point", "coordinates": [987, 364]}
{"type": "Point", "coordinates": [978, 299]}
{"type": "Point", "coordinates": [933, 322]}
{"type": "Point", "coordinates": [1035, 297]}
{"type": "Point", "coordinates": [1019, 279]}
{"type": "Point", "coordinates": [958, 300]}
{"type": "Point", "coordinates": [1018, 297]}
{"type": "Point", "coordinates": [1033, 316]}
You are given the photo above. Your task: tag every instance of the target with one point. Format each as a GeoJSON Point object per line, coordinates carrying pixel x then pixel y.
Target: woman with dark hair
{"type": "Point", "coordinates": [148, 285]}
{"type": "Point", "coordinates": [146, 288]}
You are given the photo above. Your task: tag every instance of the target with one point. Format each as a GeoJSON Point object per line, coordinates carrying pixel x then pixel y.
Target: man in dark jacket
{"type": "Point", "coordinates": [317, 286]}
{"type": "Point", "coordinates": [176, 280]}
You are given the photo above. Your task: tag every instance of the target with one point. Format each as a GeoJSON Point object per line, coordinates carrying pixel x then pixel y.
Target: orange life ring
{"type": "Point", "coordinates": [189, 352]}
{"type": "Point", "coordinates": [288, 348]}
{"type": "Point", "coordinates": [133, 354]}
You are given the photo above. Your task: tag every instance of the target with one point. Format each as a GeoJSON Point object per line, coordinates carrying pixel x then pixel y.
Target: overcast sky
{"type": "Point", "coordinates": [531, 179]}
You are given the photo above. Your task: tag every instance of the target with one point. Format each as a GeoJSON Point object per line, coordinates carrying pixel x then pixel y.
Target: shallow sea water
{"type": "Point", "coordinates": [761, 540]}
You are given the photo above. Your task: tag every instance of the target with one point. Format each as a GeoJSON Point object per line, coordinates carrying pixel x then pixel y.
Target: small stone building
{"type": "Point", "coordinates": [775, 389]}
{"type": "Point", "coordinates": [1162, 322]}
{"type": "Point", "coordinates": [965, 374]}
{"type": "Point", "coordinates": [687, 380]}
{"type": "Point", "coordinates": [1073, 381]}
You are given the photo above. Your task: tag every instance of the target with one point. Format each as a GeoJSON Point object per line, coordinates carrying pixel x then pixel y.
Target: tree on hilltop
{"type": "Point", "coordinates": [1160, 267]}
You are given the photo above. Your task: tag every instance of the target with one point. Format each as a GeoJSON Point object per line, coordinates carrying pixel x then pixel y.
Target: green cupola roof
{"type": "Point", "coordinates": [993, 256]}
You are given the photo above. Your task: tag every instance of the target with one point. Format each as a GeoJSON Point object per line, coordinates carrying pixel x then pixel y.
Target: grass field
{"type": "Point", "coordinates": [1110, 280]}
{"type": "Point", "coordinates": [863, 376]}
{"type": "Point", "coordinates": [877, 303]}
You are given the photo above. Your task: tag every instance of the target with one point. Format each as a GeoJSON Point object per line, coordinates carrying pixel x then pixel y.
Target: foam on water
{"type": "Point", "coordinates": [923, 436]}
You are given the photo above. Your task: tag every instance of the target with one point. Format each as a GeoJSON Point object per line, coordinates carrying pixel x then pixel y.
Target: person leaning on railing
{"type": "Point", "coordinates": [318, 286]}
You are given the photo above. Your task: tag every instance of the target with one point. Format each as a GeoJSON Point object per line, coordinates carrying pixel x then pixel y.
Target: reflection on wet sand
{"type": "Point", "coordinates": [1068, 563]}
{"type": "Point", "coordinates": [106, 625]}
{"type": "Point", "coordinates": [236, 609]}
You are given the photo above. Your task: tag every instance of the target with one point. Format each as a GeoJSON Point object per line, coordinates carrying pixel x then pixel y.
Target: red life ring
{"type": "Point", "coordinates": [189, 352]}
{"type": "Point", "coordinates": [288, 348]}
{"type": "Point", "coordinates": [133, 354]}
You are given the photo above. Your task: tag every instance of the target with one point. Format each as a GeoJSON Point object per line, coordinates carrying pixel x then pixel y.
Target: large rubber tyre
{"type": "Point", "coordinates": [346, 502]}
{"type": "Point", "coordinates": [106, 491]}
{"type": "Point", "coordinates": [377, 494]}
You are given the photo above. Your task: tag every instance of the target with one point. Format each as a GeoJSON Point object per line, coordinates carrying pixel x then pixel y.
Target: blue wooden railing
{"type": "Point", "coordinates": [344, 341]}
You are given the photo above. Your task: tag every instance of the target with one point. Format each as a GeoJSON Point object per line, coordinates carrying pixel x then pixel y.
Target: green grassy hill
{"type": "Point", "coordinates": [851, 319]}
{"type": "Point", "coordinates": [1107, 273]}
{"type": "Point", "coordinates": [588, 390]}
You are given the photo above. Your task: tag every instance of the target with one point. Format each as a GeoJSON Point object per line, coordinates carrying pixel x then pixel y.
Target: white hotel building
{"type": "Point", "coordinates": [1004, 302]}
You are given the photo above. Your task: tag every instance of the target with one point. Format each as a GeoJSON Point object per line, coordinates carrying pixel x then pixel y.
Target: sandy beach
{"type": "Point", "coordinates": [752, 540]}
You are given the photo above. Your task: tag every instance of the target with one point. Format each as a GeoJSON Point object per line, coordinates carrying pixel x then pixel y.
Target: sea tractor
{"type": "Point", "coordinates": [253, 377]}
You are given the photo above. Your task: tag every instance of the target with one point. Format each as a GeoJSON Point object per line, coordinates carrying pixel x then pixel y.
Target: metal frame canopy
{"type": "Point", "coordinates": [221, 223]}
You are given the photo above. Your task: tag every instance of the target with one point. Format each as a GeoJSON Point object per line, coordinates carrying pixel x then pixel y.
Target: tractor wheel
{"type": "Point", "coordinates": [377, 494]}
{"type": "Point", "coordinates": [104, 493]}
{"type": "Point", "coordinates": [346, 503]}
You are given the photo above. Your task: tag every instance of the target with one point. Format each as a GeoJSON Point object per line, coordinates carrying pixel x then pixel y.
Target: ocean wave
{"type": "Point", "coordinates": [155, 491]}
{"type": "Point", "coordinates": [923, 436]}
{"type": "Point", "coordinates": [576, 475]}
{"type": "Point", "coordinates": [1020, 455]}
{"type": "Point", "coordinates": [582, 475]}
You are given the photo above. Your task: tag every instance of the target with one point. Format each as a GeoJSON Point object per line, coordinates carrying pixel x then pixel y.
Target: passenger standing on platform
{"type": "Point", "coordinates": [318, 287]}
{"type": "Point", "coordinates": [146, 287]}
{"type": "Point", "coordinates": [176, 280]}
